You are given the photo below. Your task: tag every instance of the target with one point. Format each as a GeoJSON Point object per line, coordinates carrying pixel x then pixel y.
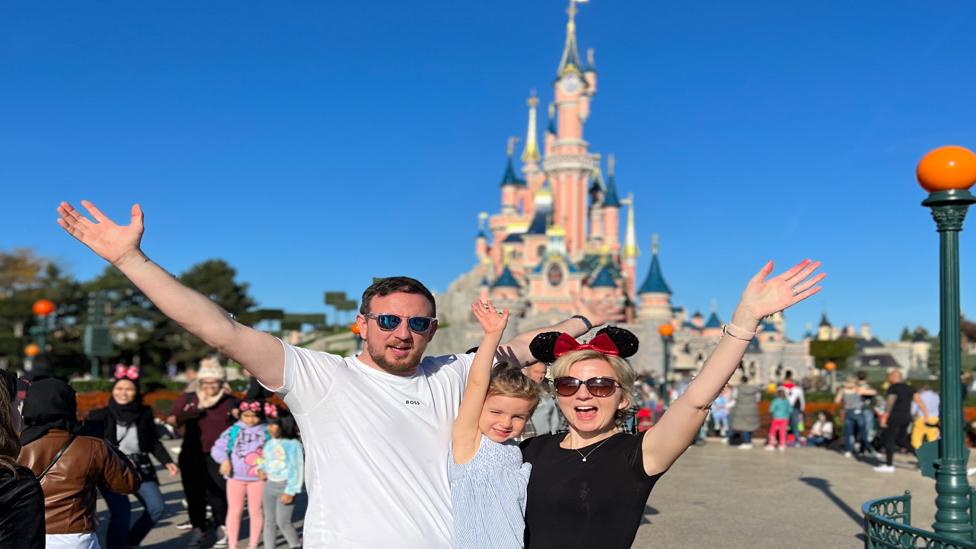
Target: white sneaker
{"type": "Point", "coordinates": [847, 454]}
{"type": "Point", "coordinates": [782, 448]}
{"type": "Point", "coordinates": [222, 541]}
{"type": "Point", "coordinates": [770, 448]}
{"type": "Point", "coordinates": [885, 468]}
{"type": "Point", "coordinates": [746, 446]}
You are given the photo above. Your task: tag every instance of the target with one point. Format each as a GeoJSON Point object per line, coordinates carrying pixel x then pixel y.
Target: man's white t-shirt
{"type": "Point", "coordinates": [376, 448]}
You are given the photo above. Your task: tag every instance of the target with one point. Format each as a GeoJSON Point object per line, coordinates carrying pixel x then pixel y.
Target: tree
{"type": "Point", "coordinates": [906, 334]}
{"type": "Point", "coordinates": [836, 350]}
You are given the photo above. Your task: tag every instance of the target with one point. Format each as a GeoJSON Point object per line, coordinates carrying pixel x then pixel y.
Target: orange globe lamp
{"type": "Point", "coordinates": [43, 307]}
{"type": "Point", "coordinates": [32, 350]}
{"type": "Point", "coordinates": [949, 168]}
{"type": "Point", "coordinates": [666, 330]}
{"type": "Point", "coordinates": [830, 366]}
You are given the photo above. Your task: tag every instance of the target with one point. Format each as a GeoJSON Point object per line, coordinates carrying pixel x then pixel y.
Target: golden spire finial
{"type": "Point", "coordinates": [482, 217]}
{"type": "Point", "coordinates": [511, 145]}
{"type": "Point", "coordinates": [655, 241]}
{"type": "Point", "coordinates": [630, 242]}
{"type": "Point", "coordinates": [611, 164]}
{"type": "Point", "coordinates": [531, 153]}
{"type": "Point", "coordinates": [570, 60]}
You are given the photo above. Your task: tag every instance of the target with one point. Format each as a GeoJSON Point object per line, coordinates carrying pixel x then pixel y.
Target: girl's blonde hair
{"type": "Point", "coordinates": [511, 382]}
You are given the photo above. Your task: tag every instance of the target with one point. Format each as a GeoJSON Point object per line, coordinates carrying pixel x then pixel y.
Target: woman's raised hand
{"type": "Point", "coordinates": [763, 297]}
{"type": "Point", "coordinates": [103, 236]}
{"type": "Point", "coordinates": [492, 320]}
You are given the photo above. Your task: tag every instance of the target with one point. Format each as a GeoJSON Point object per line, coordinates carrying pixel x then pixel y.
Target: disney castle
{"type": "Point", "coordinates": [555, 240]}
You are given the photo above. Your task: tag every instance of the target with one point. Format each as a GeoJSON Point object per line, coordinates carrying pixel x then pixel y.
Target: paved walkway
{"type": "Point", "coordinates": [717, 496]}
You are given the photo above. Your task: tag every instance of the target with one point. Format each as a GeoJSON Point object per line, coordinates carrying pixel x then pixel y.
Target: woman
{"type": "Point", "coordinates": [68, 464]}
{"type": "Point", "coordinates": [588, 488]}
{"type": "Point", "coordinates": [128, 425]}
{"type": "Point", "coordinates": [21, 498]}
{"type": "Point", "coordinates": [850, 396]}
{"type": "Point", "coordinates": [203, 415]}
{"type": "Point", "coordinates": [745, 412]}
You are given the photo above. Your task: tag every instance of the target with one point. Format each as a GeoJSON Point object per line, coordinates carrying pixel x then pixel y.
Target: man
{"type": "Point", "coordinates": [867, 413]}
{"type": "Point", "coordinates": [797, 399]}
{"type": "Point", "coordinates": [897, 417]}
{"type": "Point", "coordinates": [376, 427]}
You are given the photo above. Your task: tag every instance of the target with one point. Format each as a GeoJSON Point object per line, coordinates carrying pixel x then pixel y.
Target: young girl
{"type": "Point", "coordinates": [488, 478]}
{"type": "Point", "coordinates": [780, 410]}
{"type": "Point", "coordinates": [282, 467]}
{"type": "Point", "coordinates": [238, 451]}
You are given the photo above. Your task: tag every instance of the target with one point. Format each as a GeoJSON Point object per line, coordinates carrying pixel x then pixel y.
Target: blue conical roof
{"type": "Point", "coordinates": [510, 178]}
{"type": "Point", "coordinates": [506, 279]}
{"type": "Point", "coordinates": [603, 279]}
{"type": "Point", "coordinates": [611, 198]}
{"type": "Point", "coordinates": [654, 283]}
{"type": "Point", "coordinates": [713, 321]}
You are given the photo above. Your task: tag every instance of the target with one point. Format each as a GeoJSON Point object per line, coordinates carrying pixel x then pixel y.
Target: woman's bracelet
{"type": "Point", "coordinates": [737, 332]}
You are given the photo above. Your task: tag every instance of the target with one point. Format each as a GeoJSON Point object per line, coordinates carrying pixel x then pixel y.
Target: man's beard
{"type": "Point", "coordinates": [397, 368]}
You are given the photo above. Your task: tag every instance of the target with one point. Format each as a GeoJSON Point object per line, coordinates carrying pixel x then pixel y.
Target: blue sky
{"type": "Point", "coordinates": [314, 145]}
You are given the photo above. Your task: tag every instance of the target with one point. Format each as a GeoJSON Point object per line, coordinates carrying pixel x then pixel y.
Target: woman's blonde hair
{"type": "Point", "coordinates": [850, 382]}
{"type": "Point", "coordinates": [511, 382]}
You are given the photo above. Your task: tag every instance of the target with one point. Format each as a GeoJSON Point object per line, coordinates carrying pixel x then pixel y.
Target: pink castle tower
{"type": "Point", "coordinates": [570, 165]}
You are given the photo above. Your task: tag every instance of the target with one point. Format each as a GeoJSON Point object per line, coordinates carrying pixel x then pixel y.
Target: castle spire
{"type": "Point", "coordinates": [509, 178]}
{"type": "Point", "coordinates": [654, 283]}
{"type": "Point", "coordinates": [530, 155]}
{"type": "Point", "coordinates": [630, 244]}
{"type": "Point", "coordinates": [611, 199]}
{"type": "Point", "coordinates": [570, 61]}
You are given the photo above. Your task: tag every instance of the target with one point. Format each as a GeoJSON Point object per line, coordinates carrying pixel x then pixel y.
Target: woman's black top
{"type": "Point", "coordinates": [21, 509]}
{"type": "Point", "coordinates": [145, 431]}
{"type": "Point", "coordinates": [596, 503]}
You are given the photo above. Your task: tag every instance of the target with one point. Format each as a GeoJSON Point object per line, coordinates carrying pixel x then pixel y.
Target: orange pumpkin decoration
{"type": "Point", "coordinates": [43, 307]}
{"type": "Point", "coordinates": [666, 330]}
{"type": "Point", "coordinates": [830, 366]}
{"type": "Point", "coordinates": [32, 350]}
{"type": "Point", "coordinates": [947, 168]}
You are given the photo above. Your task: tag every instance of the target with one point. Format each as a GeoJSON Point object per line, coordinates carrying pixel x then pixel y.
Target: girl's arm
{"type": "Point", "coordinates": [219, 450]}
{"type": "Point", "coordinates": [465, 437]}
{"type": "Point", "coordinates": [296, 469]}
{"type": "Point", "coordinates": [676, 430]}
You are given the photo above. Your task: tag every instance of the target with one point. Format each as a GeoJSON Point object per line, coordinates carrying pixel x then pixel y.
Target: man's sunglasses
{"type": "Point", "coordinates": [389, 322]}
{"type": "Point", "coordinates": [597, 386]}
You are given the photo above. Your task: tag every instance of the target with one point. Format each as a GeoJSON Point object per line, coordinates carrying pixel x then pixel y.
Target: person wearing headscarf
{"type": "Point", "coordinates": [204, 415]}
{"type": "Point", "coordinates": [21, 497]}
{"type": "Point", "coordinates": [128, 425]}
{"type": "Point", "coordinates": [69, 464]}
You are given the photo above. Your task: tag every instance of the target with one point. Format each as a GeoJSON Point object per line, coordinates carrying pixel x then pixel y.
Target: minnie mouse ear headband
{"type": "Point", "coordinates": [126, 372]}
{"type": "Point", "coordinates": [548, 346]}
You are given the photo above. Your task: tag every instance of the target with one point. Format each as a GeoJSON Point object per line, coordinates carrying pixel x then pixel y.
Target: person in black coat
{"type": "Point", "coordinates": [21, 497]}
{"type": "Point", "coordinates": [128, 425]}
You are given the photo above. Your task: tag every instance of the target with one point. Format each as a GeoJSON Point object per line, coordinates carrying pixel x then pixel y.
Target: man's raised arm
{"type": "Point", "coordinates": [259, 353]}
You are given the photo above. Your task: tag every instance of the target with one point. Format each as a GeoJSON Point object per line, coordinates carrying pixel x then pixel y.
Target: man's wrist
{"type": "Point", "coordinates": [586, 322]}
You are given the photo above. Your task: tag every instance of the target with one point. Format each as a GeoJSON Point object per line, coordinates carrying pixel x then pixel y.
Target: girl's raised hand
{"type": "Point", "coordinates": [103, 236]}
{"type": "Point", "coordinates": [763, 297]}
{"type": "Point", "coordinates": [492, 320]}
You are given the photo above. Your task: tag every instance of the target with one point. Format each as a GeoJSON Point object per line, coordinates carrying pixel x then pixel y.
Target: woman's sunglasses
{"type": "Point", "coordinates": [389, 322]}
{"type": "Point", "coordinates": [597, 386]}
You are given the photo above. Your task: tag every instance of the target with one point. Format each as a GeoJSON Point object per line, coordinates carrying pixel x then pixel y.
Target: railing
{"type": "Point", "coordinates": [888, 525]}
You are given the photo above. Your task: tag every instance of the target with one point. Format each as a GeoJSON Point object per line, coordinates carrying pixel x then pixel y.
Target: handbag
{"type": "Point", "coordinates": [145, 467]}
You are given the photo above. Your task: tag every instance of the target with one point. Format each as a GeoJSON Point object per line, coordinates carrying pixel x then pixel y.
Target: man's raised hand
{"type": "Point", "coordinates": [492, 320]}
{"type": "Point", "coordinates": [112, 242]}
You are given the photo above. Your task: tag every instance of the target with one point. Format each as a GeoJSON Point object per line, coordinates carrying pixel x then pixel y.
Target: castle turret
{"type": "Point", "coordinates": [505, 287]}
{"type": "Point", "coordinates": [569, 165]}
{"type": "Point", "coordinates": [510, 182]}
{"type": "Point", "coordinates": [825, 331]}
{"type": "Point", "coordinates": [481, 239]}
{"type": "Point", "coordinates": [611, 209]}
{"type": "Point", "coordinates": [654, 293]}
{"type": "Point", "coordinates": [531, 172]}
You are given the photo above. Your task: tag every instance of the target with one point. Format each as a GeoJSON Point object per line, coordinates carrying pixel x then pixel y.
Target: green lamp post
{"type": "Point", "coordinates": [948, 173]}
{"type": "Point", "coordinates": [667, 336]}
